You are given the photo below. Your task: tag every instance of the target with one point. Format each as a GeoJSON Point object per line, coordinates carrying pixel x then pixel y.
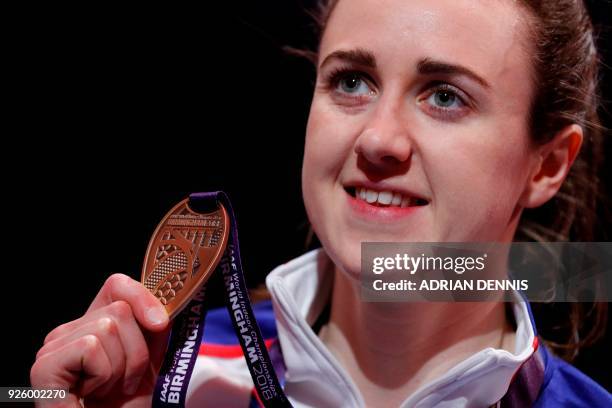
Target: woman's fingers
{"type": "Point", "coordinates": [148, 311]}
{"type": "Point", "coordinates": [84, 359]}
{"type": "Point", "coordinates": [122, 338]}
{"type": "Point", "coordinates": [129, 325]}
{"type": "Point", "coordinates": [105, 331]}
{"type": "Point", "coordinates": [135, 347]}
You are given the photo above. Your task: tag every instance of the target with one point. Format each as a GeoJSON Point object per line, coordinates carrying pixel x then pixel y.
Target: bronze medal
{"type": "Point", "coordinates": [182, 254]}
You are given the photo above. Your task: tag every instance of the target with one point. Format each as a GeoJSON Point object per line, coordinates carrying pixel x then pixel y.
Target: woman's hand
{"type": "Point", "coordinates": [110, 356]}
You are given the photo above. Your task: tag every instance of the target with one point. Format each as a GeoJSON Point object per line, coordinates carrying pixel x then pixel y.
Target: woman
{"type": "Point", "coordinates": [430, 121]}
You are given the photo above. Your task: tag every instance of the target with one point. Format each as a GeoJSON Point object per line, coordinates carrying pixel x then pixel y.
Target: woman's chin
{"type": "Point", "coordinates": [347, 263]}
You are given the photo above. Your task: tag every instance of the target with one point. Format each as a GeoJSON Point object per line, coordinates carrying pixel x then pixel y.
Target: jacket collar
{"type": "Point", "coordinates": [299, 291]}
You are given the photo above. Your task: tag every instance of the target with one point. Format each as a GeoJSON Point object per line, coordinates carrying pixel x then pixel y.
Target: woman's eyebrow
{"type": "Point", "coordinates": [428, 66]}
{"type": "Point", "coordinates": [425, 66]}
{"type": "Point", "coordinates": [357, 56]}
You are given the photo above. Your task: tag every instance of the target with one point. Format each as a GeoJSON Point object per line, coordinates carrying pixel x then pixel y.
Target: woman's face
{"type": "Point", "coordinates": [424, 105]}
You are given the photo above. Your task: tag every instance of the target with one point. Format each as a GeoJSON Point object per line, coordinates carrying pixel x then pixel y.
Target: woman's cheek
{"type": "Point", "coordinates": [321, 134]}
{"type": "Point", "coordinates": [475, 192]}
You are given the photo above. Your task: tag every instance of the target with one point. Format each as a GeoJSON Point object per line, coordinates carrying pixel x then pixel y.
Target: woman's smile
{"type": "Point", "coordinates": [382, 204]}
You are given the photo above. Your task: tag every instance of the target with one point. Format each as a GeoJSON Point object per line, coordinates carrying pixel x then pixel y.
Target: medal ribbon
{"type": "Point", "coordinates": [188, 329]}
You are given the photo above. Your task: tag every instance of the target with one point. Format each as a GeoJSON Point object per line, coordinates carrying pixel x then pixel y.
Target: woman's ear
{"type": "Point", "coordinates": [553, 164]}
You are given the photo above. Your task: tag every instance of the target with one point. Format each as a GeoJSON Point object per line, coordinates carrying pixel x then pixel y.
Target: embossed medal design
{"type": "Point", "coordinates": [183, 252]}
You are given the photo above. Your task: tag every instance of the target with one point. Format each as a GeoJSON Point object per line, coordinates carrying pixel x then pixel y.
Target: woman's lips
{"type": "Point", "coordinates": [376, 213]}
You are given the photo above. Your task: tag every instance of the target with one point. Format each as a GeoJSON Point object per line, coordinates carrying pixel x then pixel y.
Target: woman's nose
{"type": "Point", "coordinates": [385, 140]}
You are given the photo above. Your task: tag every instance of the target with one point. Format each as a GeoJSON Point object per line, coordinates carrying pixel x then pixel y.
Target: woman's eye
{"type": "Point", "coordinates": [352, 83]}
{"type": "Point", "coordinates": [347, 82]}
{"type": "Point", "coordinates": [446, 102]}
{"type": "Point", "coordinates": [348, 87]}
{"type": "Point", "coordinates": [444, 99]}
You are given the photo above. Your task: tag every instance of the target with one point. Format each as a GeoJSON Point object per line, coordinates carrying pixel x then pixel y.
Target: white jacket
{"type": "Point", "coordinates": [314, 378]}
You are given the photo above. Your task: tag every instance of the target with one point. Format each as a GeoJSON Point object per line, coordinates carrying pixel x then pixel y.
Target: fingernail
{"type": "Point", "coordinates": [156, 315]}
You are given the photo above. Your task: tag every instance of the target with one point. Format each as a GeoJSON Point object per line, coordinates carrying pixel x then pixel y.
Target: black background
{"type": "Point", "coordinates": [114, 114]}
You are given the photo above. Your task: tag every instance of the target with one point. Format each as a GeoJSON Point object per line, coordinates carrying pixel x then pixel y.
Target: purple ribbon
{"type": "Point", "coordinates": [188, 329]}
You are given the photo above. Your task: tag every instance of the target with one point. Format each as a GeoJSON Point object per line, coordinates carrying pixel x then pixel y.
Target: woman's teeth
{"type": "Point", "coordinates": [387, 198]}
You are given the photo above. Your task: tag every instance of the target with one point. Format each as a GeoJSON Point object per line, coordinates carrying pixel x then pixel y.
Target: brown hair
{"type": "Point", "coordinates": [565, 70]}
